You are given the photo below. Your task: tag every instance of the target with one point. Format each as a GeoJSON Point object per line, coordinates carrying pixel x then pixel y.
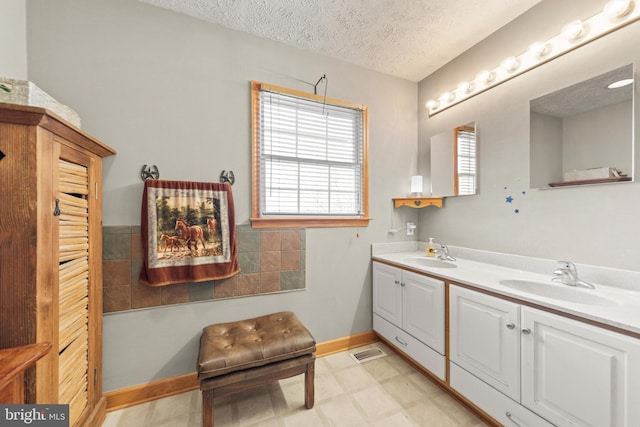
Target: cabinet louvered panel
{"type": "Point", "coordinates": [74, 230]}
{"type": "Point", "coordinates": [73, 341]}
{"type": "Point", "coordinates": [74, 179]}
{"type": "Point", "coordinates": [74, 301]}
{"type": "Point", "coordinates": [73, 378]}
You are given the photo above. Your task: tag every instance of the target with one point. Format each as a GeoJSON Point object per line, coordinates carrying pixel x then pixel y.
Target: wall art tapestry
{"type": "Point", "coordinates": [188, 232]}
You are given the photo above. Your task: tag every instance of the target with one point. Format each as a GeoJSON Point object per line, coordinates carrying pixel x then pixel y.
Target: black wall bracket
{"type": "Point", "coordinates": [150, 172]}
{"type": "Point", "coordinates": [227, 176]}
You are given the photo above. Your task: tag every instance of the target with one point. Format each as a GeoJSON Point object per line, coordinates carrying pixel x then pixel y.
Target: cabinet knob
{"type": "Point", "coordinates": [402, 284]}
{"type": "Point", "coordinates": [508, 414]}
{"type": "Point", "coordinates": [511, 325]}
{"type": "Point", "coordinates": [401, 341]}
{"type": "Point", "coordinates": [526, 331]}
{"type": "Point", "coordinates": [397, 282]}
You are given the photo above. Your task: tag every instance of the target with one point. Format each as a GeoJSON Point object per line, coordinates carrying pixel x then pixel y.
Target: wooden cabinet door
{"type": "Point", "coordinates": [74, 286]}
{"type": "Point", "coordinates": [80, 281]}
{"type": "Point", "coordinates": [423, 309]}
{"type": "Point", "coordinates": [387, 293]}
{"type": "Point", "coordinates": [485, 338]}
{"type": "Point", "coordinates": [578, 374]}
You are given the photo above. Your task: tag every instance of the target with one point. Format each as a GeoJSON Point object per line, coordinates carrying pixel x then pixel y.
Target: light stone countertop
{"type": "Point", "coordinates": [613, 304]}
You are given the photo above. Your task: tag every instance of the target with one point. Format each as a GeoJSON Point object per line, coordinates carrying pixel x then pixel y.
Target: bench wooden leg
{"type": "Point", "coordinates": [207, 408]}
{"type": "Point", "coordinates": [309, 390]}
{"type": "Point", "coordinates": [242, 380]}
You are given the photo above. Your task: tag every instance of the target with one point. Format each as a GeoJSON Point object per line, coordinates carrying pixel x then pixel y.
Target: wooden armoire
{"type": "Point", "coordinates": [51, 256]}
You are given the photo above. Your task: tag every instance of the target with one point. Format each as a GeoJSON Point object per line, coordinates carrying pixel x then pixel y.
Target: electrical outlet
{"type": "Point", "coordinates": [411, 227]}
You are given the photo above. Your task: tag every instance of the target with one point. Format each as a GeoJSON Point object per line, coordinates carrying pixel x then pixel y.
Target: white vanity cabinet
{"type": "Point", "coordinates": [485, 338]}
{"type": "Point", "coordinates": [408, 311]}
{"type": "Point", "coordinates": [387, 293]}
{"type": "Point", "coordinates": [578, 374]}
{"type": "Point", "coordinates": [563, 370]}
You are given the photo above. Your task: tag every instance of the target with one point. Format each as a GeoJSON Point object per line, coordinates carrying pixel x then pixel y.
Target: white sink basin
{"type": "Point", "coordinates": [431, 262]}
{"type": "Point", "coordinates": [558, 291]}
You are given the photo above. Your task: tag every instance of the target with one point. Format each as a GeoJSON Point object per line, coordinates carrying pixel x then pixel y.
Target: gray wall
{"type": "Point", "coordinates": [545, 155]}
{"type": "Point", "coordinates": [173, 91]}
{"type": "Point", "coordinates": [593, 225]}
{"type": "Point", "coordinates": [442, 164]}
{"type": "Point", "coordinates": [13, 39]}
{"type": "Point", "coordinates": [598, 138]}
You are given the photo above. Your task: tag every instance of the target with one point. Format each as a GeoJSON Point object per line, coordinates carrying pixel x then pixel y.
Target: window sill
{"type": "Point", "coordinates": [309, 222]}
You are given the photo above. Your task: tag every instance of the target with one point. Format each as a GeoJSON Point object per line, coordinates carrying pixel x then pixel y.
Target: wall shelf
{"type": "Point", "coordinates": [418, 202]}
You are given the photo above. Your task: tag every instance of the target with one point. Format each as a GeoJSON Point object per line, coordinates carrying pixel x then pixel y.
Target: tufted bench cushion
{"type": "Point", "coordinates": [235, 346]}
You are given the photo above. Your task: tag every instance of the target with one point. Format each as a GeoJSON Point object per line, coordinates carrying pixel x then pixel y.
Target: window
{"type": "Point", "coordinates": [309, 160]}
{"type": "Point", "coordinates": [465, 155]}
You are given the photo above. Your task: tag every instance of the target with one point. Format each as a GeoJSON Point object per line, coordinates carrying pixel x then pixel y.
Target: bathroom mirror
{"type": "Point", "coordinates": [583, 134]}
{"type": "Point", "coordinates": [453, 162]}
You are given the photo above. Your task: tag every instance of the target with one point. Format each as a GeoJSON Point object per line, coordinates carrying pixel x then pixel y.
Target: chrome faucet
{"type": "Point", "coordinates": [567, 274]}
{"type": "Point", "coordinates": [442, 253]}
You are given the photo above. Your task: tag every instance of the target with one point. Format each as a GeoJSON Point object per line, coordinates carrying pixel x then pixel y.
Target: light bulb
{"type": "Point", "coordinates": [511, 64]}
{"type": "Point", "coordinates": [466, 87]}
{"type": "Point", "coordinates": [486, 76]}
{"type": "Point", "coordinates": [448, 96]}
{"type": "Point", "coordinates": [618, 8]}
{"type": "Point", "coordinates": [539, 49]}
{"type": "Point", "coordinates": [574, 30]}
{"type": "Point", "coordinates": [432, 104]}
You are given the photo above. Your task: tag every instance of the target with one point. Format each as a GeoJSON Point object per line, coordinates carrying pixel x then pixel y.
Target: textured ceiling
{"type": "Point", "coordinates": [405, 38]}
{"type": "Point", "coordinates": [586, 96]}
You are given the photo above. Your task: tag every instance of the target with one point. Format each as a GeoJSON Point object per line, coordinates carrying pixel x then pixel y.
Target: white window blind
{"type": "Point", "coordinates": [311, 157]}
{"type": "Point", "coordinates": [466, 161]}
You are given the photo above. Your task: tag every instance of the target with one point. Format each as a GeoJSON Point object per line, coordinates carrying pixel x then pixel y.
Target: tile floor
{"type": "Point", "coordinates": [382, 392]}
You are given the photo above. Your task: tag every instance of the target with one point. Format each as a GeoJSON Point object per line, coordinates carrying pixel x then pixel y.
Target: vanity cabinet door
{"type": "Point", "coordinates": [423, 309]}
{"type": "Point", "coordinates": [578, 374]}
{"type": "Point", "coordinates": [485, 338]}
{"type": "Point", "coordinates": [387, 293]}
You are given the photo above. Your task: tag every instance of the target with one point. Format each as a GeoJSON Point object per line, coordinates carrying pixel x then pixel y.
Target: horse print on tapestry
{"type": "Point", "coordinates": [187, 227]}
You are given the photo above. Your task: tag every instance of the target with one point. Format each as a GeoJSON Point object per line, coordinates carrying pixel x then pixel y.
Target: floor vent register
{"type": "Point", "coordinates": [367, 355]}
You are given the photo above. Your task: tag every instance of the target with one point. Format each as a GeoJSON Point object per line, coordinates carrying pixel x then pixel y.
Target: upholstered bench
{"type": "Point", "coordinates": [236, 356]}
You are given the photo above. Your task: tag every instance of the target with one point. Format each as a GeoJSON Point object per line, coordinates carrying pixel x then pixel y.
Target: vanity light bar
{"type": "Point", "coordinates": [615, 15]}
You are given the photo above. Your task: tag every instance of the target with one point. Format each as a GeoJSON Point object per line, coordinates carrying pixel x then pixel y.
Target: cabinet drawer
{"type": "Point", "coordinates": [421, 353]}
{"type": "Point", "coordinates": [491, 401]}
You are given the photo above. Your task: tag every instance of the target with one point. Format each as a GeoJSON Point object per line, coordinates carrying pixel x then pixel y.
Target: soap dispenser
{"type": "Point", "coordinates": [431, 248]}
